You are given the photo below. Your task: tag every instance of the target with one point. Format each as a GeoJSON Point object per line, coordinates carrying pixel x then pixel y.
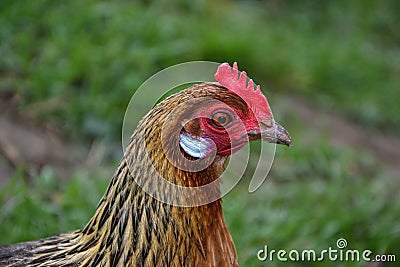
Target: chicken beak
{"type": "Point", "coordinates": [272, 133]}
{"type": "Point", "coordinates": [281, 135]}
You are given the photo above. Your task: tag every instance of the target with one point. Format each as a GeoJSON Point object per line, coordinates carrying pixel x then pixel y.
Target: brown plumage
{"type": "Point", "coordinates": [130, 227]}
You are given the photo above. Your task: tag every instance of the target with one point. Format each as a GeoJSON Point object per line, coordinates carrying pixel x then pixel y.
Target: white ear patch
{"type": "Point", "coordinates": [197, 147]}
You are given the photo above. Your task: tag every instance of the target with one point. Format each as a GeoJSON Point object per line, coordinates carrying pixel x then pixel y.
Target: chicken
{"type": "Point", "coordinates": [143, 220]}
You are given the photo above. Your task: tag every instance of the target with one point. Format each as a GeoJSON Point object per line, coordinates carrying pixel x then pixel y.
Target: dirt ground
{"type": "Point", "coordinates": [31, 144]}
{"type": "Point", "coordinates": [384, 147]}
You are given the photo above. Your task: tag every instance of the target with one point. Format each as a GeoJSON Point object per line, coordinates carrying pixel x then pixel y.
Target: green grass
{"type": "Point", "coordinates": [309, 206]}
{"type": "Point", "coordinates": [77, 63]}
{"type": "Point", "coordinates": [45, 206]}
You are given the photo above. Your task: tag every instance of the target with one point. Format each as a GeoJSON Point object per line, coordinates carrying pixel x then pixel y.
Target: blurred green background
{"type": "Point", "coordinates": [331, 70]}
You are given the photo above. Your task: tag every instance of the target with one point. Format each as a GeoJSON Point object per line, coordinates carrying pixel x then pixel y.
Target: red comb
{"type": "Point", "coordinates": [229, 78]}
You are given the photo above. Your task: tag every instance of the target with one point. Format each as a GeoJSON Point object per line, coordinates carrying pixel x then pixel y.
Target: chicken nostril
{"type": "Point", "coordinates": [267, 123]}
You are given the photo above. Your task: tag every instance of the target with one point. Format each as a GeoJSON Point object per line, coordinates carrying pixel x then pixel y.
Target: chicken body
{"type": "Point", "coordinates": [132, 228]}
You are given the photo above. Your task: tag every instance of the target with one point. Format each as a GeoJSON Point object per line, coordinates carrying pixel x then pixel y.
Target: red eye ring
{"type": "Point", "coordinates": [220, 119]}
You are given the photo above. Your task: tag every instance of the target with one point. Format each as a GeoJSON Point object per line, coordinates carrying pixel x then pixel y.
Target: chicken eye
{"type": "Point", "coordinates": [220, 119]}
